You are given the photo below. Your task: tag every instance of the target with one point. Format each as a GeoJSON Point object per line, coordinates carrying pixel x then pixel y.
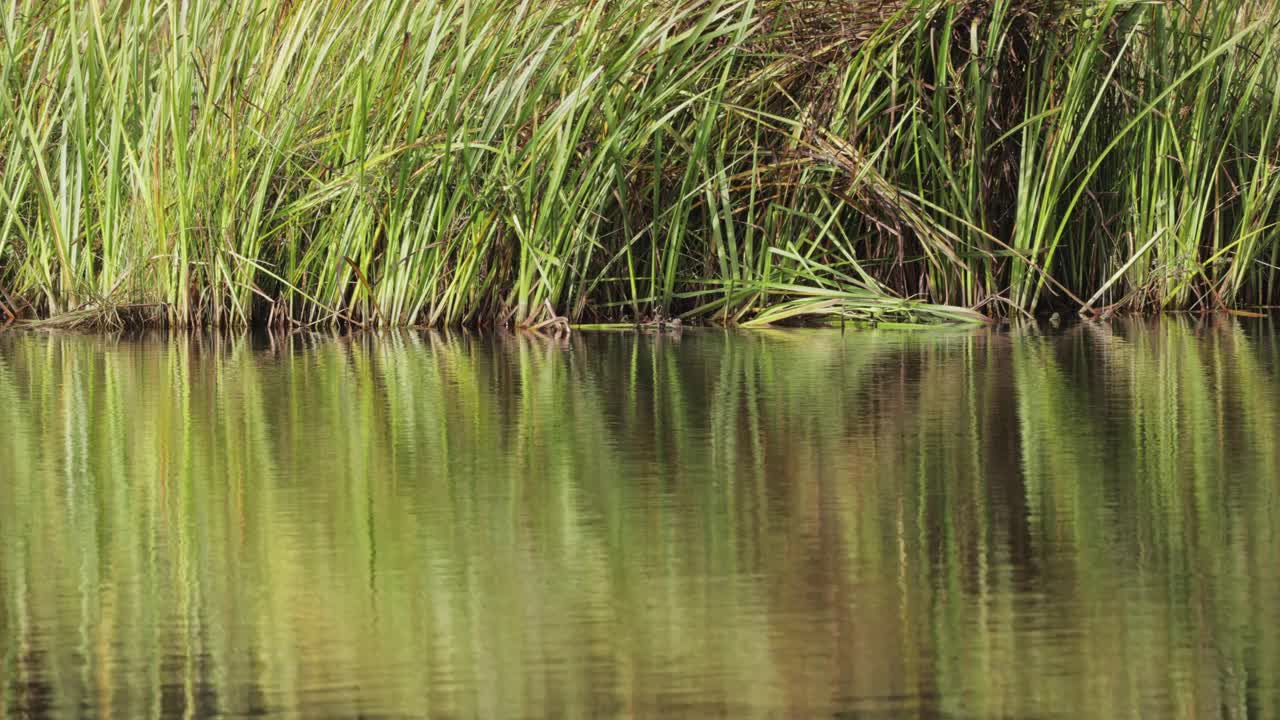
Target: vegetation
{"type": "Point", "coordinates": [445, 162]}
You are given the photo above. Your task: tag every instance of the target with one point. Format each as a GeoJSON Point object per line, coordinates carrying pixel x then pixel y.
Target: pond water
{"type": "Point", "coordinates": [776, 524]}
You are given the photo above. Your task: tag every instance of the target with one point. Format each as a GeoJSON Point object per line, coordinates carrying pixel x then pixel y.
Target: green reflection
{"type": "Point", "coordinates": [777, 523]}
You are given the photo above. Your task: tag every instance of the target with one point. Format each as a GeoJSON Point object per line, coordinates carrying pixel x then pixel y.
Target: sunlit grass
{"type": "Point", "coordinates": [385, 162]}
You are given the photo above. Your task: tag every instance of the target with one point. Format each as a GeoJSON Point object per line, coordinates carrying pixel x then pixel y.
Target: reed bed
{"type": "Point", "coordinates": [519, 163]}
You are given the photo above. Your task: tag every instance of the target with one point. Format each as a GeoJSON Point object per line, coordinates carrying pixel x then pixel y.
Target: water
{"type": "Point", "coordinates": [779, 524]}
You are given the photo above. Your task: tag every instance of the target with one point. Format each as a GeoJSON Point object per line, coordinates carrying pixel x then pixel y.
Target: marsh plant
{"type": "Point", "coordinates": [510, 162]}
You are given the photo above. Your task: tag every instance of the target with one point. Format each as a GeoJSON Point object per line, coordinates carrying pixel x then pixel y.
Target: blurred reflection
{"type": "Point", "coordinates": [790, 523]}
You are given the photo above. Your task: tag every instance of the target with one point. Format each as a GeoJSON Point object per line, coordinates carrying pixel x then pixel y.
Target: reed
{"type": "Point", "coordinates": [509, 162]}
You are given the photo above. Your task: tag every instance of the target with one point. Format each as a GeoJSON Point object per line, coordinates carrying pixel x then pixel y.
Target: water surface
{"type": "Point", "coordinates": [777, 524]}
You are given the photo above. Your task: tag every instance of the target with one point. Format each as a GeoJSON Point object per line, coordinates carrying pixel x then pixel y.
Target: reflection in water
{"type": "Point", "coordinates": [780, 524]}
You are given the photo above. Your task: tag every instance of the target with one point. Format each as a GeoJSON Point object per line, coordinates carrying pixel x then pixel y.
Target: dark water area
{"type": "Point", "coordinates": [798, 523]}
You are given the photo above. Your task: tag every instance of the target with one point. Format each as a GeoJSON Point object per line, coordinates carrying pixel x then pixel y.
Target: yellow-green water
{"type": "Point", "coordinates": [777, 524]}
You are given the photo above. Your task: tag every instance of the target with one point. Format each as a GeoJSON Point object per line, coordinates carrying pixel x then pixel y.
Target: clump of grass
{"type": "Point", "coordinates": [735, 161]}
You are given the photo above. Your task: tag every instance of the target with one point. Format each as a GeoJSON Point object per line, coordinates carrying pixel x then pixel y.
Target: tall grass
{"type": "Point", "coordinates": [447, 162]}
